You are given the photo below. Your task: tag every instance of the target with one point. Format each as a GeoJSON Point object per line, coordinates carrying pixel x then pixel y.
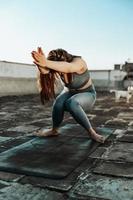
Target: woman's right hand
{"type": "Point", "coordinates": [42, 69]}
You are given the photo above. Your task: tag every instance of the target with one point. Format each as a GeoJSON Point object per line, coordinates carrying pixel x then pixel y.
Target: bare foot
{"type": "Point", "coordinates": [95, 136]}
{"type": "Point", "coordinates": [47, 133]}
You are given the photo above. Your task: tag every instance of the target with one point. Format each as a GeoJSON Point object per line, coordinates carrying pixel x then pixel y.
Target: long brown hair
{"type": "Point", "coordinates": [47, 81]}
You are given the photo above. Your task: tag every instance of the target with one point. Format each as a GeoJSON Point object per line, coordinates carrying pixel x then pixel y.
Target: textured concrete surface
{"type": "Point", "coordinates": [105, 174]}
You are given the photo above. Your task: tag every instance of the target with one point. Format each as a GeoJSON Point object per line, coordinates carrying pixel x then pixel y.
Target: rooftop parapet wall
{"type": "Point", "coordinates": [19, 78]}
{"type": "Point", "coordinates": [17, 86]}
{"type": "Point", "coordinates": [17, 70]}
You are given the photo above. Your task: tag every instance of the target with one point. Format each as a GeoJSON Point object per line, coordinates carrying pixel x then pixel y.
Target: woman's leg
{"type": "Point", "coordinates": [57, 115]}
{"type": "Point", "coordinates": [76, 106]}
{"type": "Point", "coordinates": [58, 109]}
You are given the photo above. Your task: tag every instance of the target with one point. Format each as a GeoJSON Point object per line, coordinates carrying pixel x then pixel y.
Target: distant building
{"type": "Point", "coordinates": [119, 78]}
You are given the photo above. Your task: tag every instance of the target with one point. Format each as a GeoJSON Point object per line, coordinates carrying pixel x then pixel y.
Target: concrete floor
{"type": "Point", "coordinates": [106, 174]}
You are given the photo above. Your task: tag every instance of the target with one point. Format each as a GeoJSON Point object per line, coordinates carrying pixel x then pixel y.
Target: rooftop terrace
{"type": "Point", "coordinates": [70, 166]}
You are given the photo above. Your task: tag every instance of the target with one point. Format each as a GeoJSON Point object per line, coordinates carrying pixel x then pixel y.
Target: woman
{"type": "Point", "coordinates": [81, 94]}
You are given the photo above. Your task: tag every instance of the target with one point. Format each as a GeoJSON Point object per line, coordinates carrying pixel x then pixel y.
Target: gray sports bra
{"type": "Point", "coordinates": [78, 80]}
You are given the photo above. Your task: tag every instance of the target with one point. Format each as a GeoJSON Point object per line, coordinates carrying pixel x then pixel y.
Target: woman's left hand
{"type": "Point", "coordinates": [39, 57]}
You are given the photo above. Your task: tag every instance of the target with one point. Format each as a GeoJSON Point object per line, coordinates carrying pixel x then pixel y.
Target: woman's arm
{"type": "Point", "coordinates": [76, 65]}
{"type": "Point", "coordinates": [43, 70]}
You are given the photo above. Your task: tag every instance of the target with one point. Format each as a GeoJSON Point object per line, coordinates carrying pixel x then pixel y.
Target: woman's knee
{"type": "Point", "coordinates": [71, 104]}
{"type": "Point", "coordinates": [82, 100]}
{"type": "Point", "coordinates": [58, 104]}
{"type": "Point", "coordinates": [59, 101]}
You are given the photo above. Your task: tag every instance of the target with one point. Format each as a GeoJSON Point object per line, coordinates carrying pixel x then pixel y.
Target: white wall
{"type": "Point", "coordinates": [19, 78]}
{"type": "Point", "coordinates": [12, 69]}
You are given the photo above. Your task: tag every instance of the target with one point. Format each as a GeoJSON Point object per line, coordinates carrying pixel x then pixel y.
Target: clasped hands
{"type": "Point", "coordinates": [40, 60]}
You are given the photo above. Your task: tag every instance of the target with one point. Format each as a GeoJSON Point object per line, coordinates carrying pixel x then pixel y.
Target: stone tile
{"type": "Point", "coordinates": [27, 192]}
{"type": "Point", "coordinates": [9, 177]}
{"type": "Point", "coordinates": [4, 139]}
{"type": "Point", "coordinates": [125, 115]}
{"type": "Point", "coordinates": [98, 152]}
{"type": "Point", "coordinates": [110, 111]}
{"type": "Point", "coordinates": [99, 121]}
{"type": "Point", "coordinates": [3, 113]}
{"type": "Point", "coordinates": [115, 169]}
{"type": "Point", "coordinates": [4, 125]}
{"type": "Point", "coordinates": [120, 152]}
{"type": "Point", "coordinates": [80, 197]}
{"type": "Point", "coordinates": [13, 134]}
{"type": "Point", "coordinates": [24, 128]}
{"type": "Point", "coordinates": [98, 186]}
{"type": "Point", "coordinates": [129, 132]}
{"type": "Point", "coordinates": [116, 122]}
{"type": "Point", "coordinates": [97, 110]}
{"type": "Point", "coordinates": [130, 124]}
{"type": "Point", "coordinates": [91, 116]}
{"type": "Point", "coordinates": [6, 115]}
{"type": "Point", "coordinates": [126, 138]}
{"type": "Point", "coordinates": [119, 133]}
{"type": "Point", "coordinates": [109, 140]}
{"type": "Point", "coordinates": [60, 185]}
{"type": "Point", "coordinates": [85, 167]}
{"type": "Point", "coordinates": [3, 185]}
{"type": "Point", "coordinates": [41, 122]}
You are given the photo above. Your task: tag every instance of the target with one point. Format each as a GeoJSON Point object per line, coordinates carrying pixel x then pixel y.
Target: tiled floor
{"type": "Point", "coordinates": [106, 173]}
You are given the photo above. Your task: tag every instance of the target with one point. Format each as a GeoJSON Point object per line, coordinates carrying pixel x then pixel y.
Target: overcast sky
{"type": "Point", "coordinates": [101, 31]}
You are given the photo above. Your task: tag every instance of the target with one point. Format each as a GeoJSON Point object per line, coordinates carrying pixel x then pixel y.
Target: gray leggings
{"type": "Point", "coordinates": [76, 103]}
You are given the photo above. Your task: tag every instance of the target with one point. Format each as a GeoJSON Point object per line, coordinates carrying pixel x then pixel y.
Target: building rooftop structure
{"type": "Point", "coordinates": [70, 166]}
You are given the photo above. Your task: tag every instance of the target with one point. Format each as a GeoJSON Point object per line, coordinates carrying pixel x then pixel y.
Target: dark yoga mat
{"type": "Point", "coordinates": [54, 157]}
